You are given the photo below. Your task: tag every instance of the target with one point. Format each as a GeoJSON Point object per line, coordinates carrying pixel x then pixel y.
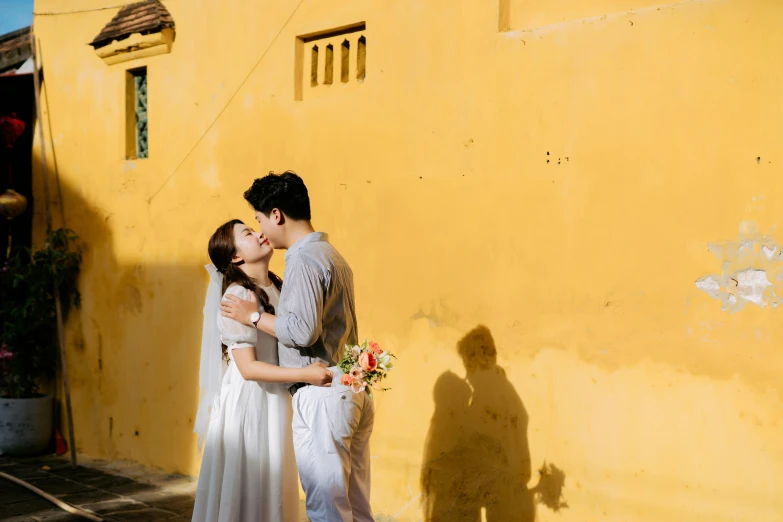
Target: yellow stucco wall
{"type": "Point", "coordinates": [565, 184]}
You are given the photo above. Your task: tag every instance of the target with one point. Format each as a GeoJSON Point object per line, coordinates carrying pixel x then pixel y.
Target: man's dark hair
{"type": "Point", "coordinates": [286, 192]}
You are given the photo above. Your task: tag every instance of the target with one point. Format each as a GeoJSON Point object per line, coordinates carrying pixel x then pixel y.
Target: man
{"type": "Point", "coordinates": [315, 319]}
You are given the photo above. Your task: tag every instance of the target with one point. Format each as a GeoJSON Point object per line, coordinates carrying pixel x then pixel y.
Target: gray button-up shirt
{"type": "Point", "coordinates": [316, 316]}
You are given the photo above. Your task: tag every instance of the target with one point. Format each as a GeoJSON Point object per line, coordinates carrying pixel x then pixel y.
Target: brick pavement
{"type": "Point", "coordinates": [148, 497]}
{"type": "Point", "coordinates": [116, 491]}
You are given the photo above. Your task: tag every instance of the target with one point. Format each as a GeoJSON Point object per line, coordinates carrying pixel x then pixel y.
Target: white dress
{"type": "Point", "coordinates": [248, 473]}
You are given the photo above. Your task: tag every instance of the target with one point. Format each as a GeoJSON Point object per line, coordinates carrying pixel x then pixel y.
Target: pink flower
{"type": "Point", "coordinates": [356, 373]}
{"type": "Point", "coordinates": [375, 348]}
{"type": "Point", "coordinates": [358, 386]}
{"type": "Point", "coordinates": [356, 351]}
{"type": "Point", "coordinates": [4, 353]}
{"type": "Point", "coordinates": [346, 380]}
{"type": "Point", "coordinates": [368, 362]}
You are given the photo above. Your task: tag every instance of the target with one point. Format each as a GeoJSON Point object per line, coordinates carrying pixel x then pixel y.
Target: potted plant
{"type": "Point", "coordinates": [28, 338]}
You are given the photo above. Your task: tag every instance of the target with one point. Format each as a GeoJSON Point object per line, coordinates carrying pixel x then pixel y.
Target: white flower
{"type": "Point", "coordinates": [385, 361]}
{"type": "Point", "coordinates": [356, 351]}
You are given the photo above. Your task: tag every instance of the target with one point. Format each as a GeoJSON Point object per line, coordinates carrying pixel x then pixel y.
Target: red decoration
{"type": "Point", "coordinates": [11, 128]}
{"type": "Point", "coordinates": [61, 447]}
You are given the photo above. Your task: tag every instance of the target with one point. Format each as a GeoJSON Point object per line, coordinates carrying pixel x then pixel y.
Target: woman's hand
{"type": "Point", "coordinates": [317, 374]}
{"type": "Point", "coordinates": [238, 309]}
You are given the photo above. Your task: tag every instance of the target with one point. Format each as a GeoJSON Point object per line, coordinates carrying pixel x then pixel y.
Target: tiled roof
{"type": "Point", "coordinates": [15, 48]}
{"type": "Point", "coordinates": [145, 17]}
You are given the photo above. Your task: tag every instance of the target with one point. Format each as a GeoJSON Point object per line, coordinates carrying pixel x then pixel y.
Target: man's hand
{"type": "Point", "coordinates": [239, 309]}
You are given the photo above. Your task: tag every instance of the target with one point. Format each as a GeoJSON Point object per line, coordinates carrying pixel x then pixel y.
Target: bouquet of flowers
{"type": "Point", "coordinates": [364, 366]}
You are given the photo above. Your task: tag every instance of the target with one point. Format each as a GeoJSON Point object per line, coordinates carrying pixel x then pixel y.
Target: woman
{"type": "Point", "coordinates": [248, 473]}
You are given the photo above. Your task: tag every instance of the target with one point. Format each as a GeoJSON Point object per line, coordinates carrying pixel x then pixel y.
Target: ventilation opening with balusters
{"type": "Point", "coordinates": [315, 53]}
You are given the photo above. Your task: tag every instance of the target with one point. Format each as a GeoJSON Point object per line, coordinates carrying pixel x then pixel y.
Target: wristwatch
{"type": "Point", "coordinates": [254, 317]}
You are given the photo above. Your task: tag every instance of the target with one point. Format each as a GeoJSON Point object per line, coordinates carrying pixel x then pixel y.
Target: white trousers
{"type": "Point", "coordinates": [332, 428]}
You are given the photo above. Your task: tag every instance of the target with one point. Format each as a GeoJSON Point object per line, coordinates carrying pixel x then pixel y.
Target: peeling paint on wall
{"type": "Point", "coordinates": [440, 314]}
{"type": "Point", "coordinates": [752, 271]}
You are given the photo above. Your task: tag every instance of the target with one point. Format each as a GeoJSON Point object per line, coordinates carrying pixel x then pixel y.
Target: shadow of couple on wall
{"type": "Point", "coordinates": [477, 454]}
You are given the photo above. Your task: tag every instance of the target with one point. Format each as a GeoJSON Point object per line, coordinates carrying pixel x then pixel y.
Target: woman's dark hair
{"type": "Point", "coordinates": [221, 249]}
{"type": "Point", "coordinates": [286, 192]}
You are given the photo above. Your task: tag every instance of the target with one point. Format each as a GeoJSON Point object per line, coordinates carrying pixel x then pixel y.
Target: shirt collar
{"type": "Point", "coordinates": [309, 238]}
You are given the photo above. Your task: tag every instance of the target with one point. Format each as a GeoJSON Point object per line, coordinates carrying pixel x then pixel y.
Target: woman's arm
{"type": "Point", "coordinates": [252, 369]}
{"type": "Point", "coordinates": [267, 323]}
{"type": "Point", "coordinates": [239, 310]}
{"type": "Point", "coordinates": [302, 325]}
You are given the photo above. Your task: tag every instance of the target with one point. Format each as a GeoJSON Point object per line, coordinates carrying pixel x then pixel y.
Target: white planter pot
{"type": "Point", "coordinates": [25, 426]}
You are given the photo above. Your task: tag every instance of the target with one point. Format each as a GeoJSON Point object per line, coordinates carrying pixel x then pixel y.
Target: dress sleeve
{"type": "Point", "coordinates": [233, 333]}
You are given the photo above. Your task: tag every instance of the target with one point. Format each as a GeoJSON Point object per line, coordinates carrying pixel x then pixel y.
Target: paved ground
{"type": "Point", "coordinates": [115, 492]}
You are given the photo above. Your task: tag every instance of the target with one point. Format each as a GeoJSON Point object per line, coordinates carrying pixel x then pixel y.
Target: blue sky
{"type": "Point", "coordinates": [15, 14]}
